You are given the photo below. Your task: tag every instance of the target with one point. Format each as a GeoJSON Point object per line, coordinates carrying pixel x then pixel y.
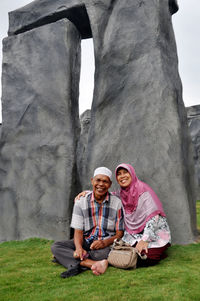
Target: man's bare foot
{"type": "Point", "coordinates": [99, 267]}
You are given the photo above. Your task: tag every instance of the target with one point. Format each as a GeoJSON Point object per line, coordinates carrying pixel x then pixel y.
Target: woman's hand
{"type": "Point", "coordinates": [83, 193]}
{"type": "Point", "coordinates": [142, 245]}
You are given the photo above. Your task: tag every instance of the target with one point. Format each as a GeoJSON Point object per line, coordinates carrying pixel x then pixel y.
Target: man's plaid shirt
{"type": "Point", "coordinates": [98, 221]}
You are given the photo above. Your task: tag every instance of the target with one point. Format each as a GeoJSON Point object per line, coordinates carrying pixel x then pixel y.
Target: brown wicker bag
{"type": "Point", "coordinates": [123, 256]}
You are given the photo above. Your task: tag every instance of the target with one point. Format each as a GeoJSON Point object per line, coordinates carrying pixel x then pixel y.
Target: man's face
{"type": "Point", "coordinates": [100, 184]}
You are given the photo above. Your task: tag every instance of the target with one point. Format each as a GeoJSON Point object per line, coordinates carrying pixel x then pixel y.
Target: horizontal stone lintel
{"type": "Point", "coordinates": [42, 12]}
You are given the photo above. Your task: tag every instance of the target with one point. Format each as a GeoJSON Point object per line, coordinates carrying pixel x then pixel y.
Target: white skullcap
{"type": "Point", "coordinates": [103, 171]}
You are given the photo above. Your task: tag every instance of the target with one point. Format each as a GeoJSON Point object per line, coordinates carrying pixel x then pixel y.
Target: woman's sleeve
{"type": "Point", "coordinates": [116, 193]}
{"type": "Point", "coordinates": [149, 233]}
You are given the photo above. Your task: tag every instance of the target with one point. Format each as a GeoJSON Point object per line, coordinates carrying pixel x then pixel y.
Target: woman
{"type": "Point", "coordinates": [145, 222]}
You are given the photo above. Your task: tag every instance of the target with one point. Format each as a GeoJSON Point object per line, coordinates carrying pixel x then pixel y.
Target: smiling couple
{"type": "Point", "coordinates": [99, 218]}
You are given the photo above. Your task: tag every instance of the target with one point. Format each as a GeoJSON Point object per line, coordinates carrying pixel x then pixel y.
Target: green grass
{"type": "Point", "coordinates": [26, 273]}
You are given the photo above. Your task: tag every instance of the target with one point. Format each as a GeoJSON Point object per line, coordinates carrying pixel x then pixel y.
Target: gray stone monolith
{"type": "Point", "coordinates": [41, 70]}
{"type": "Point", "coordinates": [82, 146]}
{"type": "Point", "coordinates": [193, 115]}
{"type": "Point", "coordinates": [138, 114]}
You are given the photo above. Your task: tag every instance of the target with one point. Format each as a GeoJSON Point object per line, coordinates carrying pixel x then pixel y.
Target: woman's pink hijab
{"type": "Point", "coordinates": [136, 215]}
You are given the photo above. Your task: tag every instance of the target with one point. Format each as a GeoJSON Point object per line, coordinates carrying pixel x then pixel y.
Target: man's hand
{"type": "Point", "coordinates": [103, 243]}
{"type": "Point", "coordinates": [98, 244]}
{"type": "Point", "coordinates": [142, 245]}
{"type": "Point", "coordinates": [80, 254]}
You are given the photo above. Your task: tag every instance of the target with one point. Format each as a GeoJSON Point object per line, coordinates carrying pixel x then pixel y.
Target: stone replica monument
{"type": "Point", "coordinates": [137, 114]}
{"type": "Point", "coordinates": [193, 115]}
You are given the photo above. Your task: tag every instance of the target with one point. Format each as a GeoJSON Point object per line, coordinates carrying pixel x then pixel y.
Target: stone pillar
{"type": "Point", "coordinates": [193, 115]}
{"type": "Point", "coordinates": [41, 69]}
{"type": "Point", "coordinates": [82, 146]}
{"type": "Point", "coordinates": [138, 115]}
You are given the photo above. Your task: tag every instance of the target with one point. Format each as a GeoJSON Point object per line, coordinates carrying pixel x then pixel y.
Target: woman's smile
{"type": "Point", "coordinates": [123, 177]}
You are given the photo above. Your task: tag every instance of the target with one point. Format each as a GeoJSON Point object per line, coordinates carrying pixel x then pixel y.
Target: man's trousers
{"type": "Point", "coordinates": [63, 251]}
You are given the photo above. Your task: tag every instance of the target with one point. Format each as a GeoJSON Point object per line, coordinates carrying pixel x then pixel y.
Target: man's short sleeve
{"type": "Point", "coordinates": [77, 216]}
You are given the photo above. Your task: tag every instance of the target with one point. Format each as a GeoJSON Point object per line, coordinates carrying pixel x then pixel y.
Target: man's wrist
{"type": "Point", "coordinates": [107, 242]}
{"type": "Point", "coordinates": [78, 246]}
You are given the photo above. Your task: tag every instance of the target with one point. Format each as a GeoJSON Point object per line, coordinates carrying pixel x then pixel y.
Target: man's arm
{"type": "Point", "coordinates": [78, 241]}
{"type": "Point", "coordinates": [101, 244]}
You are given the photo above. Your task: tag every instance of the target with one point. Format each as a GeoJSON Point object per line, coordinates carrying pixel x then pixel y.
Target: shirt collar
{"type": "Point", "coordinates": [105, 200]}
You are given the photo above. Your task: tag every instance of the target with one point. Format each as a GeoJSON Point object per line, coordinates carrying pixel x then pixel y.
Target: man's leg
{"type": "Point", "coordinates": [99, 267]}
{"type": "Point", "coordinates": [63, 251]}
{"type": "Point", "coordinates": [100, 254]}
{"type": "Point", "coordinates": [98, 262]}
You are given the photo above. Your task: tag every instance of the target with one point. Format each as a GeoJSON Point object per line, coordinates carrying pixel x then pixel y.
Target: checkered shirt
{"type": "Point", "coordinates": [98, 221]}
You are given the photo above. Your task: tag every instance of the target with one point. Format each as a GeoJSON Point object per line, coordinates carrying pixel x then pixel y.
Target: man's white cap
{"type": "Point", "coordinates": [103, 171]}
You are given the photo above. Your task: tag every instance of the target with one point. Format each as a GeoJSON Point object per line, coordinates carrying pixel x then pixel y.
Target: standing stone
{"type": "Point", "coordinates": [82, 145]}
{"type": "Point", "coordinates": [193, 115]}
{"type": "Point", "coordinates": [138, 114]}
{"type": "Point", "coordinates": [41, 71]}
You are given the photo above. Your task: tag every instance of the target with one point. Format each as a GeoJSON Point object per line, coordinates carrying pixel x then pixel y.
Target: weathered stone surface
{"type": "Point", "coordinates": [138, 114]}
{"type": "Point", "coordinates": [193, 114]}
{"type": "Point", "coordinates": [41, 12]}
{"type": "Point", "coordinates": [82, 145]}
{"type": "Point", "coordinates": [39, 134]}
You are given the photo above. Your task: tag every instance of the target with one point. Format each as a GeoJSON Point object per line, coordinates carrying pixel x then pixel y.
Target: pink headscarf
{"type": "Point", "coordinates": [137, 214]}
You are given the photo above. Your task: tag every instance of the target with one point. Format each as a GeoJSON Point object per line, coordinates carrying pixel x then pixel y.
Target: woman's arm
{"type": "Point", "coordinates": [148, 234]}
{"type": "Point", "coordinates": [83, 193]}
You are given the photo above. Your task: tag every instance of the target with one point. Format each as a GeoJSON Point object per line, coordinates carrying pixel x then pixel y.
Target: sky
{"type": "Point", "coordinates": [186, 23]}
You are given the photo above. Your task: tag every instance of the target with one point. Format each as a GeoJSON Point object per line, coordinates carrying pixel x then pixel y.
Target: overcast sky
{"type": "Point", "coordinates": [187, 31]}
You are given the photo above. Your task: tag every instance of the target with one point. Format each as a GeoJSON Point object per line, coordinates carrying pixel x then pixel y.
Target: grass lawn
{"type": "Point", "coordinates": [26, 273]}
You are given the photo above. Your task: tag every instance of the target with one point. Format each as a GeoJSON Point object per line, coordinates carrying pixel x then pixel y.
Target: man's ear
{"type": "Point", "coordinates": [91, 180]}
{"type": "Point", "coordinates": [110, 183]}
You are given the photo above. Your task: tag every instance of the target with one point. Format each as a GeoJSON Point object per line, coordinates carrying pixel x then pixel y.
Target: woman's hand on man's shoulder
{"type": "Point", "coordinates": [83, 193]}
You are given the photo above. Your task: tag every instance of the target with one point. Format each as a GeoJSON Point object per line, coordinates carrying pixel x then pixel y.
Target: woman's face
{"type": "Point", "coordinates": [123, 177]}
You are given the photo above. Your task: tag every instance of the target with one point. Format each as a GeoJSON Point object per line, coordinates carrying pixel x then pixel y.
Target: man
{"type": "Point", "coordinates": [98, 220]}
